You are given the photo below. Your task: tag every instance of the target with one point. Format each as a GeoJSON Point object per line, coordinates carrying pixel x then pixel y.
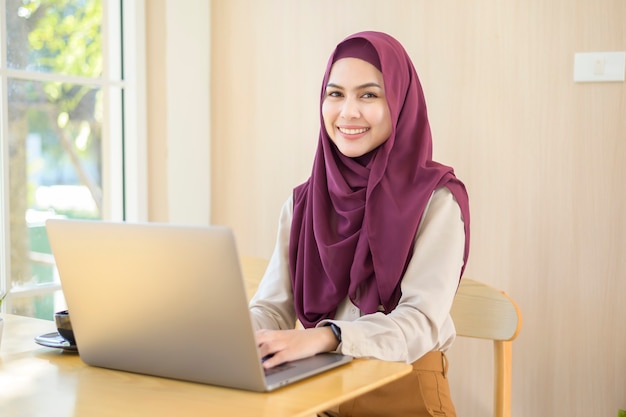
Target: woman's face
{"type": "Point", "coordinates": [355, 111]}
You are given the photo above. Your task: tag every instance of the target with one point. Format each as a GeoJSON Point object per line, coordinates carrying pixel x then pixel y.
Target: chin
{"type": "Point", "coordinates": [350, 150]}
{"type": "Point", "coordinates": [354, 153]}
{"type": "Point", "coordinates": [351, 154]}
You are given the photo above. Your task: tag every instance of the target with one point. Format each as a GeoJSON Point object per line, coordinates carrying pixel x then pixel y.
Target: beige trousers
{"type": "Point", "coordinates": [422, 393]}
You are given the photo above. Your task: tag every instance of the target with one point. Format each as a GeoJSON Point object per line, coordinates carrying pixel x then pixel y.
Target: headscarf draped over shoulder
{"type": "Point", "coordinates": [355, 219]}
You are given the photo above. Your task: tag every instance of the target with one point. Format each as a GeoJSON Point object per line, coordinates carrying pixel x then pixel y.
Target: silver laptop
{"type": "Point", "coordinates": [165, 300]}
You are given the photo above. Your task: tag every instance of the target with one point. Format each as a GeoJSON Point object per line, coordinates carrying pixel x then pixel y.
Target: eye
{"type": "Point", "coordinates": [369, 95]}
{"type": "Point", "coordinates": [333, 93]}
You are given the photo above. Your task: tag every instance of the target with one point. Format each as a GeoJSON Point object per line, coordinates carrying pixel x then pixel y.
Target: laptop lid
{"type": "Point", "coordinates": [165, 300]}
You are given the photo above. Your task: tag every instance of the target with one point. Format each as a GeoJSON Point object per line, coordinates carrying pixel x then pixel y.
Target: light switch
{"type": "Point", "coordinates": [599, 66]}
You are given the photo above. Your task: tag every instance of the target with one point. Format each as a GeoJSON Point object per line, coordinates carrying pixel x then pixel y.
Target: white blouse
{"type": "Point", "coordinates": [421, 321]}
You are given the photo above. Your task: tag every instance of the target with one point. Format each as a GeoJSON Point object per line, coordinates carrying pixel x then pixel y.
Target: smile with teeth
{"type": "Point", "coordinates": [353, 131]}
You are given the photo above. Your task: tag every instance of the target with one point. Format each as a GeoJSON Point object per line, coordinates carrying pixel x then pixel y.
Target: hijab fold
{"type": "Point", "coordinates": [355, 219]}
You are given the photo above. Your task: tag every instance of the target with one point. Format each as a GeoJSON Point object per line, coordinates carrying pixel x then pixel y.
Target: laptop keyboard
{"type": "Point", "coordinates": [278, 368]}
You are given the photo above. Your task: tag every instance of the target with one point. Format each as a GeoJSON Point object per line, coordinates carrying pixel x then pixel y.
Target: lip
{"type": "Point", "coordinates": [352, 132]}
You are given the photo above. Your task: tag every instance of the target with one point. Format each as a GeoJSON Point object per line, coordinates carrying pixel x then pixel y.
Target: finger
{"type": "Point", "coordinates": [269, 344]}
{"type": "Point", "coordinates": [273, 360]}
{"type": "Point", "coordinates": [264, 351]}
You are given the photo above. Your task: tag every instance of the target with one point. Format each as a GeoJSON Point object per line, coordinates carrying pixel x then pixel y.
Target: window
{"type": "Point", "coordinates": [71, 133]}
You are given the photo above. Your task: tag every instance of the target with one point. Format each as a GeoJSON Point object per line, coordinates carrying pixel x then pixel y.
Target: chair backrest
{"type": "Point", "coordinates": [484, 312]}
{"type": "Point", "coordinates": [252, 269]}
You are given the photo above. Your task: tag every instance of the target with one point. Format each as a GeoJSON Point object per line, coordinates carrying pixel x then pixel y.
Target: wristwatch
{"type": "Point", "coordinates": [336, 331]}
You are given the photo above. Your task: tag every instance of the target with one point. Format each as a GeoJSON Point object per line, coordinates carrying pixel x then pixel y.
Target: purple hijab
{"type": "Point", "coordinates": [355, 219]}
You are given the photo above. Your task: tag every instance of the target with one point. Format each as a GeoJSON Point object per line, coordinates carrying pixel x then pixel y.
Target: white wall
{"type": "Point", "coordinates": [179, 93]}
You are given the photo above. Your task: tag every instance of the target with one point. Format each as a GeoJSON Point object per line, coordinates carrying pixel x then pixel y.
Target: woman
{"type": "Point", "coordinates": [371, 247]}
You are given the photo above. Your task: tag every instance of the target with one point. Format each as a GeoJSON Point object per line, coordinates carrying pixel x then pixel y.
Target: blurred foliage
{"type": "Point", "coordinates": [66, 40]}
{"type": "Point", "coordinates": [67, 35]}
{"type": "Point", "coordinates": [64, 37]}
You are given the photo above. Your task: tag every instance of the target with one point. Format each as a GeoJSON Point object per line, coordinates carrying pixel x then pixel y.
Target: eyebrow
{"type": "Point", "coordinates": [359, 87]}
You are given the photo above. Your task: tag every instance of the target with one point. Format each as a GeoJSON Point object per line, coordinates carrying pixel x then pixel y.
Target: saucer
{"type": "Point", "coordinates": [54, 340]}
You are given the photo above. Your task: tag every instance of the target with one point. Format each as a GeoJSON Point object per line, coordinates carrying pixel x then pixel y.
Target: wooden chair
{"type": "Point", "coordinates": [252, 269]}
{"type": "Point", "coordinates": [484, 312]}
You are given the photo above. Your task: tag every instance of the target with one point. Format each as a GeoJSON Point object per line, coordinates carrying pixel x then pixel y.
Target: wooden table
{"type": "Point", "coordinates": [36, 381]}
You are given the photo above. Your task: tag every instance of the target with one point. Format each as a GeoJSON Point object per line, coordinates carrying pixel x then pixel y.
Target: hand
{"type": "Point", "coordinates": [280, 346]}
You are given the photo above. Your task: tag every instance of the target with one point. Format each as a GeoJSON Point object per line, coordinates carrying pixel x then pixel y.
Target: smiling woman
{"type": "Point", "coordinates": [371, 247]}
{"type": "Point", "coordinates": [63, 143]}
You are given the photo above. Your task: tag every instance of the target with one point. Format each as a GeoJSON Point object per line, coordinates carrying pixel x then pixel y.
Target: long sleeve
{"type": "Point", "coordinates": [420, 323]}
{"type": "Point", "coordinates": [272, 306]}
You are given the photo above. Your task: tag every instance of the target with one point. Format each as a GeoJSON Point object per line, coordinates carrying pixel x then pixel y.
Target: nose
{"type": "Point", "coordinates": [350, 109]}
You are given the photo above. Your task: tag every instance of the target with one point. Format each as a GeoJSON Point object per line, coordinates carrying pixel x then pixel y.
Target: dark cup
{"type": "Point", "coordinates": [64, 326]}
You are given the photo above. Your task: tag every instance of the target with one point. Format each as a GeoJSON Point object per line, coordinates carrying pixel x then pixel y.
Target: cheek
{"type": "Point", "coordinates": [387, 128]}
{"type": "Point", "coordinates": [328, 116]}
{"type": "Point", "coordinates": [385, 122]}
